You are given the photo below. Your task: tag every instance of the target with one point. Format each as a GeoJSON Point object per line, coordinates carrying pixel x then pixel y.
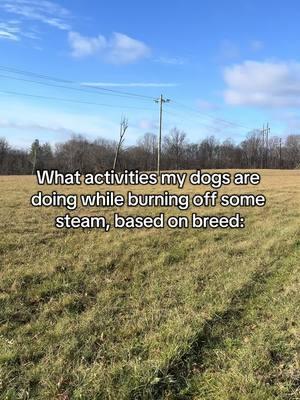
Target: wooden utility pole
{"type": "Point", "coordinates": [267, 144]}
{"type": "Point", "coordinates": [123, 128]}
{"type": "Point", "coordinates": [161, 100]}
{"type": "Point", "coordinates": [262, 147]}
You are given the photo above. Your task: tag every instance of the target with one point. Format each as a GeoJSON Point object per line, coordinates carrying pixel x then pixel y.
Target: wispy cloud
{"type": "Point", "coordinates": [171, 60]}
{"type": "Point", "coordinates": [31, 126]}
{"type": "Point", "coordinates": [117, 49]}
{"type": "Point", "coordinates": [44, 11]}
{"type": "Point", "coordinates": [129, 84]}
{"type": "Point", "coordinates": [9, 30]}
{"type": "Point", "coordinates": [12, 30]}
{"type": "Point", "coordinates": [263, 84]}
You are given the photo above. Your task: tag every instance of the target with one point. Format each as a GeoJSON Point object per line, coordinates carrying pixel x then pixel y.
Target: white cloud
{"type": "Point", "coordinates": [124, 49]}
{"type": "Point", "coordinates": [44, 11]}
{"type": "Point", "coordinates": [8, 35]}
{"type": "Point", "coordinates": [12, 30]}
{"type": "Point", "coordinates": [84, 46]}
{"type": "Point", "coordinates": [263, 84]}
{"type": "Point", "coordinates": [118, 49]}
{"type": "Point", "coordinates": [9, 30]}
{"type": "Point", "coordinates": [129, 84]}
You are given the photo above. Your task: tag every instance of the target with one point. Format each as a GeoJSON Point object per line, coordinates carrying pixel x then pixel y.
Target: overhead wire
{"type": "Point", "coordinates": [218, 119]}
{"type": "Point", "coordinates": [8, 92]}
{"type": "Point", "coordinates": [96, 89]}
{"type": "Point", "coordinates": [211, 127]}
{"type": "Point", "coordinates": [62, 86]}
{"type": "Point", "coordinates": [48, 77]}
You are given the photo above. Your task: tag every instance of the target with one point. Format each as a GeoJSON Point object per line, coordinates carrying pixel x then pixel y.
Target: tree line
{"type": "Point", "coordinates": [79, 153]}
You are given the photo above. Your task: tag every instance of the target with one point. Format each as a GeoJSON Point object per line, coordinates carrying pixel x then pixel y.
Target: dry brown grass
{"type": "Point", "coordinates": [150, 314]}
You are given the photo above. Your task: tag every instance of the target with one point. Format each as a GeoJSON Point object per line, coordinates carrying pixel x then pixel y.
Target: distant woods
{"type": "Point", "coordinates": [177, 153]}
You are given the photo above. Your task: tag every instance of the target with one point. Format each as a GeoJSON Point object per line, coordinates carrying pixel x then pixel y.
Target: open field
{"type": "Point", "coordinates": [173, 314]}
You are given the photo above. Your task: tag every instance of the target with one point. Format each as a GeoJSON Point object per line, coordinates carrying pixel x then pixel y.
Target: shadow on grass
{"type": "Point", "coordinates": [174, 378]}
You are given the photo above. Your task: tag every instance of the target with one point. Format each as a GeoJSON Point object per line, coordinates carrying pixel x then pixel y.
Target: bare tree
{"type": "Point", "coordinates": [148, 145]}
{"type": "Point", "coordinates": [35, 150]}
{"type": "Point", "coordinates": [4, 151]}
{"type": "Point", "coordinates": [174, 146]}
{"type": "Point", "coordinates": [208, 149]}
{"type": "Point", "coordinates": [293, 150]}
{"type": "Point", "coordinates": [253, 149]}
{"type": "Point", "coordinates": [79, 153]}
{"type": "Point", "coordinates": [123, 129]}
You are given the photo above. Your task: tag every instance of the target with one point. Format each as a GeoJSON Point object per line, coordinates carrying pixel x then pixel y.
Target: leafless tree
{"type": "Point", "coordinates": [174, 146]}
{"type": "Point", "coordinates": [79, 153]}
{"type": "Point", "coordinates": [253, 149]}
{"type": "Point", "coordinates": [293, 150]}
{"type": "Point", "coordinates": [123, 129]}
{"type": "Point", "coordinates": [148, 151]}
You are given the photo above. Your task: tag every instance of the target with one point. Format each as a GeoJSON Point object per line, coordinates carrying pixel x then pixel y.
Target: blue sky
{"type": "Point", "coordinates": [228, 67]}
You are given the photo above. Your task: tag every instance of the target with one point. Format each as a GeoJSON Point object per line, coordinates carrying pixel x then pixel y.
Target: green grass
{"type": "Point", "coordinates": [191, 314]}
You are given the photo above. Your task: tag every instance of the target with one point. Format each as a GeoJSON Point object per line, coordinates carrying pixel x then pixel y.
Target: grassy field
{"type": "Point", "coordinates": [173, 314]}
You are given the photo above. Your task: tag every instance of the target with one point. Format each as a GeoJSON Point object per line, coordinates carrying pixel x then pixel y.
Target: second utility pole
{"type": "Point", "coordinates": [262, 148]}
{"type": "Point", "coordinates": [161, 100]}
{"type": "Point", "coordinates": [267, 144]}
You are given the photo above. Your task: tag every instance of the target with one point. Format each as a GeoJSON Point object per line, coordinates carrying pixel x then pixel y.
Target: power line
{"type": "Point", "coordinates": [211, 127]}
{"type": "Point", "coordinates": [62, 86]}
{"type": "Point", "coordinates": [212, 116]}
{"type": "Point", "coordinates": [93, 89]}
{"type": "Point", "coordinates": [55, 79]}
{"type": "Point", "coordinates": [22, 72]}
{"type": "Point", "coordinates": [141, 96]}
{"type": "Point", "coordinates": [7, 92]}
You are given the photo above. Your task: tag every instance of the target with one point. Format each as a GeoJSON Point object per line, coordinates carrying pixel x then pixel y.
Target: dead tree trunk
{"type": "Point", "coordinates": [123, 128]}
{"type": "Point", "coordinates": [34, 160]}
